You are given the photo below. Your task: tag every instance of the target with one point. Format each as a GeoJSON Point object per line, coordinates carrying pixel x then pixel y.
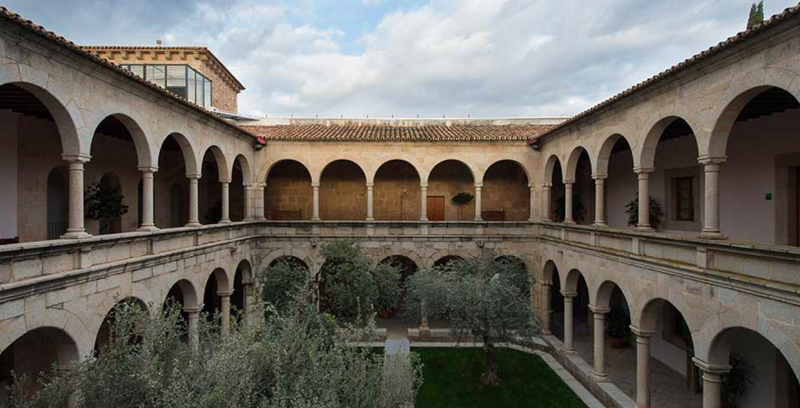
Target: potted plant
{"type": "Point", "coordinates": [618, 328]}
{"type": "Point", "coordinates": [103, 203]}
{"type": "Point", "coordinates": [656, 213]}
{"type": "Point", "coordinates": [461, 199]}
{"type": "Point", "coordinates": [387, 279]}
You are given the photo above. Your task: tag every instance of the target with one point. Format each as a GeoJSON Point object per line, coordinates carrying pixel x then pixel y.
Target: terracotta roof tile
{"type": "Point", "coordinates": [390, 133]}
{"type": "Point", "coordinates": [14, 18]}
{"type": "Point", "coordinates": [724, 45]}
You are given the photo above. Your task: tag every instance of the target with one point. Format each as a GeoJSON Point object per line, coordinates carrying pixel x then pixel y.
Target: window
{"type": "Point", "coordinates": [182, 80]}
{"type": "Point", "coordinates": [684, 198]}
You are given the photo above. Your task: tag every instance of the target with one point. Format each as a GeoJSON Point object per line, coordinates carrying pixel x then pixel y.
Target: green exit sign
{"type": "Point", "coordinates": [769, 197]}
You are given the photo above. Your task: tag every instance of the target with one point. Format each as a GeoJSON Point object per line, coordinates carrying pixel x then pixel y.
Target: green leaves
{"type": "Point", "coordinates": [103, 203]}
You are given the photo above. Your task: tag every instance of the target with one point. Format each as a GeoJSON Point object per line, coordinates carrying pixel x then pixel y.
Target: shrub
{"type": "Point", "coordinates": [387, 280]}
{"type": "Point", "coordinates": [282, 282]}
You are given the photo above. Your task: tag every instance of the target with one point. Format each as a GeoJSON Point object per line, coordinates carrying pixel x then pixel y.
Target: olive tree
{"type": "Point", "coordinates": [484, 300]}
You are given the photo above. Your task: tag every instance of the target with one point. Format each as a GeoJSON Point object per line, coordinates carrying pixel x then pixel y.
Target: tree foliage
{"type": "Point", "coordinates": [483, 300]}
{"type": "Point", "coordinates": [756, 16]}
{"type": "Point", "coordinates": [103, 203]}
{"type": "Point", "coordinates": [294, 359]}
{"type": "Point", "coordinates": [656, 212]}
{"type": "Point", "coordinates": [282, 282]}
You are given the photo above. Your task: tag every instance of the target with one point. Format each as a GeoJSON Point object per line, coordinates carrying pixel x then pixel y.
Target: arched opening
{"type": "Point", "coordinates": [557, 193]}
{"type": "Point", "coordinates": [577, 292]}
{"type": "Point", "coordinates": [616, 162]}
{"type": "Point", "coordinates": [395, 324]}
{"type": "Point", "coordinates": [579, 172]}
{"type": "Point", "coordinates": [242, 281]}
{"type": "Point", "coordinates": [237, 202]}
{"type": "Point", "coordinates": [764, 376]}
{"type": "Point", "coordinates": [445, 260]}
{"type": "Point", "coordinates": [763, 157]}
{"type": "Point", "coordinates": [677, 183]}
{"type": "Point", "coordinates": [396, 194]}
{"type": "Point", "coordinates": [209, 187]}
{"type": "Point", "coordinates": [288, 195]}
{"type": "Point", "coordinates": [57, 203]}
{"type": "Point", "coordinates": [32, 147]}
{"type": "Point", "coordinates": [113, 172]}
{"type": "Point", "coordinates": [183, 295]}
{"type": "Point", "coordinates": [105, 336]}
{"type": "Point", "coordinates": [216, 285]}
{"type": "Point", "coordinates": [171, 183]}
{"type": "Point", "coordinates": [506, 195]}
{"type": "Point", "coordinates": [343, 192]}
{"type": "Point", "coordinates": [670, 360]}
{"type": "Point", "coordinates": [32, 356]}
{"type": "Point", "coordinates": [447, 180]}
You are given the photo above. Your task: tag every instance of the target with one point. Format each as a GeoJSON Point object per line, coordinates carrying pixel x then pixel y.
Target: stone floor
{"type": "Point", "coordinates": [667, 388]}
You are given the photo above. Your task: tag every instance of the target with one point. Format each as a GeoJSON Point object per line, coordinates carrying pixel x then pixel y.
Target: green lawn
{"type": "Point", "coordinates": [452, 379]}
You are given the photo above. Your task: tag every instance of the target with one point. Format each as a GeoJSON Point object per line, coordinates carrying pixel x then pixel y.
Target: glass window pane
{"type": "Point", "coordinates": [157, 74]}
{"type": "Point", "coordinates": [206, 93]}
{"type": "Point", "coordinates": [199, 89]}
{"type": "Point", "coordinates": [176, 75]}
{"type": "Point", "coordinates": [191, 88]}
{"type": "Point", "coordinates": [137, 69]}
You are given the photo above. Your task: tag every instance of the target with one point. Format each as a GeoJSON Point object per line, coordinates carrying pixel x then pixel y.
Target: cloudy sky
{"type": "Point", "coordinates": [484, 58]}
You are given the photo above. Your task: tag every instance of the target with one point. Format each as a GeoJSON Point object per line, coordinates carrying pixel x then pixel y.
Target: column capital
{"type": "Point", "coordinates": [424, 185]}
{"type": "Point", "coordinates": [547, 186]}
{"type": "Point", "coordinates": [545, 283]}
{"type": "Point", "coordinates": [225, 293]}
{"type": "Point", "coordinates": [643, 170]}
{"type": "Point", "coordinates": [643, 334]}
{"type": "Point", "coordinates": [226, 181]}
{"type": "Point", "coordinates": [370, 185]}
{"type": "Point", "coordinates": [599, 310]}
{"type": "Point", "coordinates": [261, 185]}
{"type": "Point", "coordinates": [194, 176]}
{"type": "Point", "coordinates": [315, 184]}
{"type": "Point", "coordinates": [191, 310]}
{"type": "Point", "coordinates": [478, 185]}
{"type": "Point", "coordinates": [707, 160]}
{"type": "Point", "coordinates": [711, 368]}
{"type": "Point", "coordinates": [148, 169]}
{"type": "Point", "coordinates": [568, 182]}
{"type": "Point", "coordinates": [531, 185]}
{"type": "Point", "coordinates": [599, 177]}
{"type": "Point", "coordinates": [76, 158]}
{"type": "Point", "coordinates": [568, 295]}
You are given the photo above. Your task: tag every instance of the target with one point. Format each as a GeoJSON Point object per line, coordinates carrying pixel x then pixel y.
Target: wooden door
{"type": "Point", "coordinates": [436, 208]}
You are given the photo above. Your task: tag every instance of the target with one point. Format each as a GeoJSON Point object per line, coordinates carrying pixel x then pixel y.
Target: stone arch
{"type": "Point", "coordinates": [512, 258]}
{"type": "Point", "coordinates": [222, 162]}
{"type": "Point", "coordinates": [446, 259]}
{"type": "Point", "coordinates": [601, 297]}
{"type": "Point", "coordinates": [571, 280]}
{"type": "Point", "coordinates": [41, 347]}
{"type": "Point", "coordinates": [104, 331]}
{"type": "Point", "coordinates": [334, 161]}
{"type": "Point", "coordinates": [288, 194]}
{"type": "Point", "coordinates": [242, 280]}
{"type": "Point", "coordinates": [244, 165]}
{"type": "Point", "coordinates": [550, 167]}
{"type": "Point", "coordinates": [407, 265]}
{"type": "Point", "coordinates": [604, 154]}
{"type": "Point", "coordinates": [187, 150]}
{"type": "Point", "coordinates": [472, 172]}
{"type": "Point", "coordinates": [524, 169]}
{"type": "Point", "coordinates": [65, 115]}
{"type": "Point", "coordinates": [645, 158]}
{"type": "Point", "coordinates": [417, 168]}
{"type": "Point", "coordinates": [343, 191]}
{"type": "Point", "coordinates": [722, 344]}
{"type": "Point", "coordinates": [312, 265]}
{"type": "Point", "coordinates": [647, 320]}
{"type": "Point", "coordinates": [272, 164]}
{"type": "Point", "coordinates": [142, 144]}
{"type": "Point", "coordinates": [549, 272]}
{"type": "Point", "coordinates": [187, 291]}
{"type": "Point", "coordinates": [396, 191]}
{"type": "Point", "coordinates": [572, 162]}
{"type": "Point", "coordinates": [506, 192]}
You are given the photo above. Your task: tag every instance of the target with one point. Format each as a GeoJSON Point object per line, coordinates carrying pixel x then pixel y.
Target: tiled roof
{"type": "Point", "coordinates": [216, 61]}
{"type": "Point", "coordinates": [18, 20]}
{"type": "Point", "coordinates": [386, 133]}
{"type": "Point", "coordinates": [730, 42]}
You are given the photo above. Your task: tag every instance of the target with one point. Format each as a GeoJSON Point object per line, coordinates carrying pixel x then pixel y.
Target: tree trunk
{"type": "Point", "coordinates": [490, 377]}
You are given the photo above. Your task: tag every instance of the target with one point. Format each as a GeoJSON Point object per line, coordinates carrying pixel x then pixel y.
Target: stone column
{"type": "Point", "coordinates": [370, 213]}
{"type": "Point", "coordinates": [568, 216]}
{"type": "Point", "coordinates": [546, 210]}
{"type": "Point", "coordinates": [644, 198]}
{"type": "Point", "coordinates": [546, 312]}
{"type": "Point", "coordinates": [258, 203]}
{"type": "Point", "coordinates": [148, 223]}
{"type": "Point", "coordinates": [600, 200]}
{"type": "Point", "coordinates": [193, 313]}
{"type": "Point", "coordinates": [532, 209]}
{"type": "Point", "coordinates": [423, 208]}
{"type": "Point", "coordinates": [642, 367]}
{"type": "Point", "coordinates": [424, 329]}
{"type": "Point", "coordinates": [478, 188]}
{"type": "Point", "coordinates": [194, 220]}
{"type": "Point", "coordinates": [711, 167]}
{"type": "Point", "coordinates": [712, 382]}
{"type": "Point", "coordinates": [248, 202]}
{"type": "Point", "coordinates": [226, 206]}
{"type": "Point", "coordinates": [76, 228]}
{"type": "Point", "coordinates": [315, 200]}
{"type": "Point", "coordinates": [599, 371]}
{"type": "Point", "coordinates": [568, 321]}
{"type": "Point", "coordinates": [225, 313]}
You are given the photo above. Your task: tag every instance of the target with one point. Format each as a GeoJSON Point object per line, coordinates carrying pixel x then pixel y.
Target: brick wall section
{"type": "Point", "coordinates": [396, 195]}
{"type": "Point", "coordinates": [343, 192]}
{"type": "Point", "coordinates": [288, 189]}
{"type": "Point", "coordinates": [505, 187]}
{"type": "Point", "coordinates": [449, 179]}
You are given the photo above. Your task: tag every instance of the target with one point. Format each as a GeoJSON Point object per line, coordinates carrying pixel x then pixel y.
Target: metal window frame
{"type": "Point", "coordinates": [187, 67]}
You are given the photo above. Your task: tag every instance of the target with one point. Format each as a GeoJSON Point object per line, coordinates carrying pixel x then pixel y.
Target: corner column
{"type": "Point", "coordinates": [225, 315]}
{"type": "Point", "coordinates": [568, 216]}
{"type": "Point", "coordinates": [248, 202]}
{"type": "Point", "coordinates": [546, 198]}
{"type": "Point", "coordinates": [148, 177]}
{"type": "Point", "coordinates": [712, 382]}
{"type": "Point", "coordinates": [194, 220]}
{"type": "Point", "coordinates": [569, 348]}
{"type": "Point", "coordinates": [642, 367]}
{"type": "Point", "coordinates": [226, 206]}
{"type": "Point", "coordinates": [532, 201]}
{"type": "Point", "coordinates": [599, 369]}
{"type": "Point", "coordinates": [600, 200]}
{"type": "Point", "coordinates": [478, 188]}
{"type": "Point", "coordinates": [76, 228]}
{"type": "Point", "coordinates": [258, 203]}
{"type": "Point", "coordinates": [711, 167]}
{"type": "Point", "coordinates": [643, 174]}
{"type": "Point", "coordinates": [315, 201]}
{"type": "Point", "coordinates": [370, 214]}
{"type": "Point", "coordinates": [423, 207]}
{"type": "Point", "coordinates": [545, 307]}
{"type": "Point", "coordinates": [192, 314]}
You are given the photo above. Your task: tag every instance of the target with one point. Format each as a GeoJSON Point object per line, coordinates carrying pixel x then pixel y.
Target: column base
{"type": "Point", "coordinates": [316, 219]}
{"type": "Point", "coordinates": [600, 377]}
{"type": "Point", "coordinates": [193, 225]}
{"type": "Point", "coordinates": [224, 222]}
{"type": "Point", "coordinates": [712, 235]}
{"type": "Point", "coordinates": [425, 219]}
{"type": "Point", "coordinates": [148, 228]}
{"type": "Point", "coordinates": [644, 228]}
{"type": "Point", "coordinates": [478, 220]}
{"type": "Point", "coordinates": [569, 351]}
{"type": "Point", "coordinates": [370, 219]}
{"type": "Point", "coordinates": [76, 235]}
{"type": "Point", "coordinates": [600, 225]}
{"type": "Point", "coordinates": [568, 222]}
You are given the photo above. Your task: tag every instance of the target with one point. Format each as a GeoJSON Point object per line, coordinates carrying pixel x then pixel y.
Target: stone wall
{"type": "Point", "coordinates": [396, 194]}
{"type": "Point", "coordinates": [288, 190]}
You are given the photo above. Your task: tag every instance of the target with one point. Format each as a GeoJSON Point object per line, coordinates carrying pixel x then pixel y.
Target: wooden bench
{"type": "Point", "coordinates": [287, 215]}
{"type": "Point", "coordinates": [494, 215]}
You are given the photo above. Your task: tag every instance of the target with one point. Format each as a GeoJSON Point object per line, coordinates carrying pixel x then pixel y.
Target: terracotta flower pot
{"type": "Point", "coordinates": [384, 314]}
{"type": "Point", "coordinates": [617, 342]}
